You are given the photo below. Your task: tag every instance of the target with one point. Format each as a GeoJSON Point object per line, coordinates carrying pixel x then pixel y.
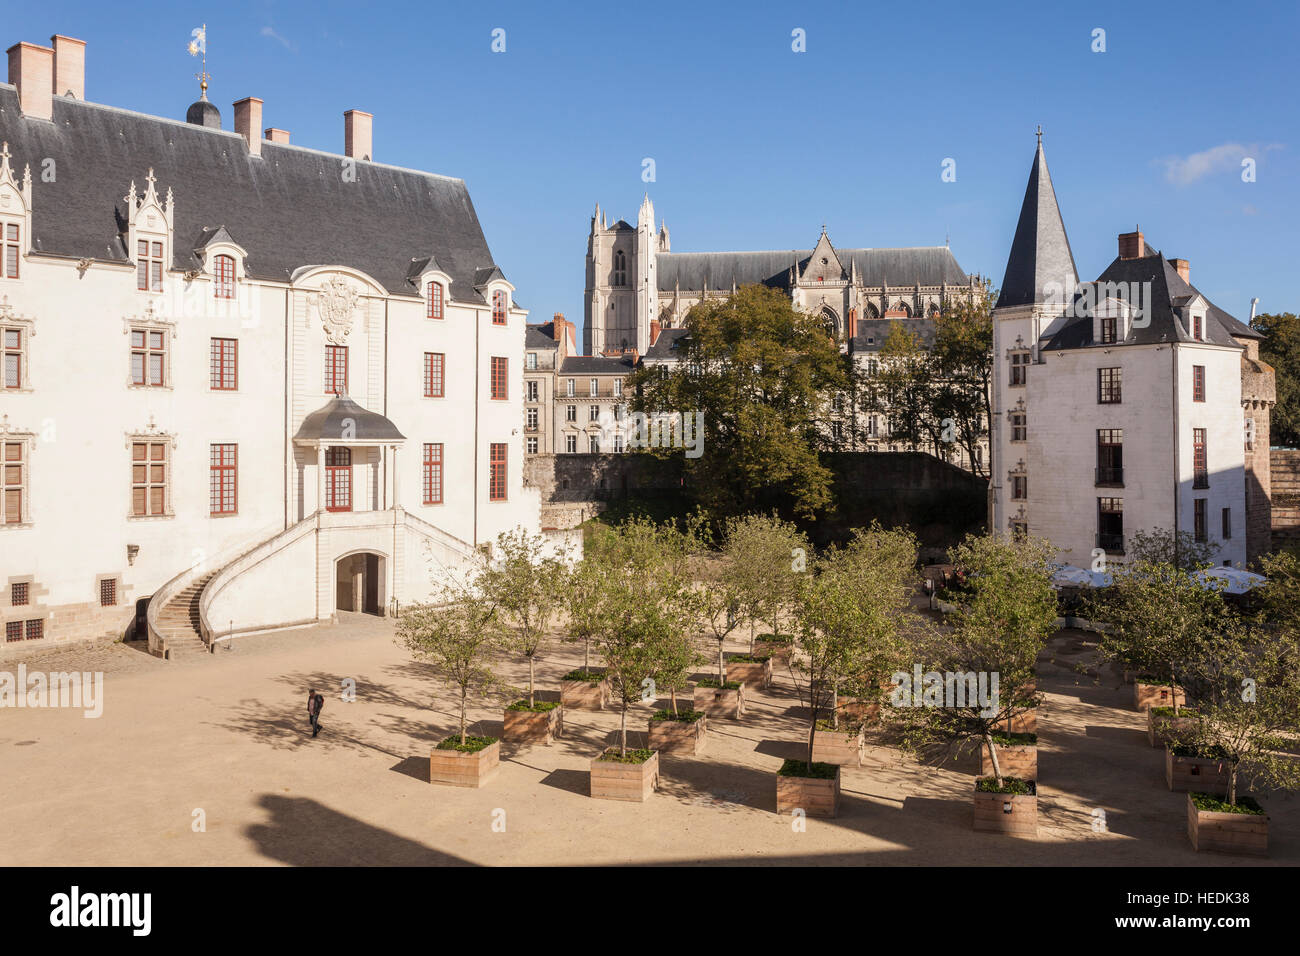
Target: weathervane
{"type": "Point", "coordinates": [199, 47]}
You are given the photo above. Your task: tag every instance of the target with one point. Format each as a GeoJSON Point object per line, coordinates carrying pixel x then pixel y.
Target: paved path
{"type": "Point", "coordinates": [228, 734]}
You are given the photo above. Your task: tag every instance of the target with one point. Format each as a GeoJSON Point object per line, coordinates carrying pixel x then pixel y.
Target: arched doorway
{"type": "Point", "coordinates": [359, 582]}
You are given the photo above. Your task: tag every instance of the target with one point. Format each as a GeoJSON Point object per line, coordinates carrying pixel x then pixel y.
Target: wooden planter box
{"type": "Point", "coordinates": [776, 651]}
{"type": "Point", "coordinates": [631, 782]}
{"type": "Point", "coordinates": [751, 673]}
{"type": "Point", "coordinates": [678, 736]}
{"type": "Point", "coordinates": [1245, 834]}
{"type": "Point", "coordinates": [814, 796]}
{"type": "Point", "coordinates": [1146, 696]}
{"type": "Point", "coordinates": [1160, 728]}
{"type": "Point", "coordinates": [840, 747]}
{"type": "Point", "coordinates": [533, 727]}
{"type": "Point", "coordinates": [1201, 774]}
{"type": "Point", "coordinates": [1022, 723]}
{"type": "Point", "coordinates": [1019, 762]}
{"type": "Point", "coordinates": [456, 768]}
{"type": "Point", "coordinates": [584, 695]}
{"type": "Point", "coordinates": [991, 814]}
{"type": "Point", "coordinates": [720, 702]}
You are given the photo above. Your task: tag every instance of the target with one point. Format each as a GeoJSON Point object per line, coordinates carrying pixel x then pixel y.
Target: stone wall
{"type": "Point", "coordinates": [1285, 468]}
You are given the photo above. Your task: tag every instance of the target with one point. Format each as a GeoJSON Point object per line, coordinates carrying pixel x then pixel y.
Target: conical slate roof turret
{"type": "Point", "coordinates": [1041, 265]}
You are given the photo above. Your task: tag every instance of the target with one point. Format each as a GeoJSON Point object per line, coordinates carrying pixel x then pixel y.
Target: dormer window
{"type": "Point", "coordinates": [10, 246]}
{"type": "Point", "coordinates": [149, 266]}
{"type": "Point", "coordinates": [1196, 328]}
{"type": "Point", "coordinates": [435, 300]}
{"type": "Point", "coordinates": [1108, 328]}
{"type": "Point", "coordinates": [499, 307]}
{"type": "Point", "coordinates": [223, 271]}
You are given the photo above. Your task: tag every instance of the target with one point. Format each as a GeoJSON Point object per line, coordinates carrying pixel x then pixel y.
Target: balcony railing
{"type": "Point", "coordinates": [1111, 543]}
{"type": "Point", "coordinates": [1110, 476]}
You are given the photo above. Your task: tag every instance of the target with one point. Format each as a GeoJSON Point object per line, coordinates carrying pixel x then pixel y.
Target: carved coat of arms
{"type": "Point", "coordinates": [336, 302]}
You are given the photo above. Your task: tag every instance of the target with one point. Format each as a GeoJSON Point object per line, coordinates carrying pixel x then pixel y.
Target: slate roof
{"type": "Point", "coordinates": [595, 365]}
{"type": "Point", "coordinates": [1169, 318]}
{"type": "Point", "coordinates": [288, 209]}
{"type": "Point", "coordinates": [1040, 251]}
{"type": "Point", "coordinates": [535, 338]}
{"type": "Point", "coordinates": [926, 265]}
{"type": "Point", "coordinates": [328, 422]}
{"type": "Point", "coordinates": [664, 345]}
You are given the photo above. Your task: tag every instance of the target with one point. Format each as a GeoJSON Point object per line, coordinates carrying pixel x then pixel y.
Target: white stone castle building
{"type": "Point", "coordinates": [1125, 404]}
{"type": "Point", "coordinates": [247, 384]}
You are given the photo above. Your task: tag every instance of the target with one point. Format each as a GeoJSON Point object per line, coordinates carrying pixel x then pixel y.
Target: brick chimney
{"type": "Point", "coordinates": [277, 135]}
{"type": "Point", "coordinates": [31, 69]}
{"type": "Point", "coordinates": [560, 328]}
{"type": "Point", "coordinates": [654, 330]}
{"type": "Point", "coordinates": [69, 66]}
{"type": "Point", "coordinates": [357, 134]}
{"type": "Point", "coordinates": [1131, 245]}
{"type": "Point", "coordinates": [248, 121]}
{"type": "Point", "coordinates": [1184, 269]}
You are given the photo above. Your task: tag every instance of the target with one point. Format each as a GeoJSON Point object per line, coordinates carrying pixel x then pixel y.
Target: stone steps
{"type": "Point", "coordinates": [179, 621]}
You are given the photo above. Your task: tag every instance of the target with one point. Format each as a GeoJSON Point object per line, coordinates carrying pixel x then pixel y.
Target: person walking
{"type": "Point", "coordinates": [315, 702]}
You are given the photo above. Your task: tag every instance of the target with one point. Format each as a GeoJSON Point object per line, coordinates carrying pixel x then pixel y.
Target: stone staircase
{"type": "Point", "coordinates": [178, 621]}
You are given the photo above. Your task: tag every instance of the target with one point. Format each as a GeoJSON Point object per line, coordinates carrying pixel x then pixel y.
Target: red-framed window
{"type": "Point", "coordinates": [432, 482]}
{"type": "Point", "coordinates": [500, 377]}
{"type": "Point", "coordinates": [149, 266]}
{"type": "Point", "coordinates": [148, 478]}
{"type": "Point", "coordinates": [499, 307]}
{"type": "Point", "coordinates": [12, 251]}
{"type": "Point", "coordinates": [20, 594]}
{"type": "Point", "coordinates": [338, 479]}
{"type": "Point", "coordinates": [148, 357]}
{"type": "Point", "coordinates": [223, 270]}
{"type": "Point", "coordinates": [223, 485]}
{"type": "Point", "coordinates": [14, 481]}
{"type": "Point", "coordinates": [13, 631]}
{"type": "Point", "coordinates": [1200, 460]}
{"type": "Point", "coordinates": [13, 357]}
{"type": "Point", "coordinates": [225, 365]}
{"type": "Point", "coordinates": [433, 366]}
{"type": "Point", "coordinates": [336, 370]}
{"type": "Point", "coordinates": [1198, 383]}
{"type": "Point", "coordinates": [435, 300]}
{"type": "Point", "coordinates": [1196, 327]}
{"type": "Point", "coordinates": [35, 630]}
{"type": "Point", "coordinates": [497, 471]}
{"type": "Point", "coordinates": [108, 592]}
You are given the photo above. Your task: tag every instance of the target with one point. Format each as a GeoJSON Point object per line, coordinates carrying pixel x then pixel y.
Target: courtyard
{"type": "Point", "coordinates": [227, 735]}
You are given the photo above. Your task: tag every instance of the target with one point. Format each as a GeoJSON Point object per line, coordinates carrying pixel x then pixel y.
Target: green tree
{"type": "Point", "coordinates": [1180, 549]}
{"type": "Point", "coordinates": [756, 368]}
{"type": "Point", "coordinates": [961, 360]}
{"type": "Point", "coordinates": [460, 641]}
{"type": "Point", "coordinates": [765, 558]}
{"type": "Point", "coordinates": [1281, 349]}
{"type": "Point", "coordinates": [901, 389]}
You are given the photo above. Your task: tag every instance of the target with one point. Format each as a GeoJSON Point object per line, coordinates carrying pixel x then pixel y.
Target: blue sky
{"type": "Point", "coordinates": [756, 145]}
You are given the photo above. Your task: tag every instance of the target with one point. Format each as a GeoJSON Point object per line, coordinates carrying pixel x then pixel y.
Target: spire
{"type": "Point", "coordinates": [1041, 265]}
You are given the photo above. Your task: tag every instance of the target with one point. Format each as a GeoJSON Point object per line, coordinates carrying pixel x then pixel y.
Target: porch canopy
{"type": "Point", "coordinates": [341, 421]}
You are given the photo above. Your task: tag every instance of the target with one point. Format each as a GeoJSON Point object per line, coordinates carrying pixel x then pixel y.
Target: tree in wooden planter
{"type": "Point", "coordinates": [1007, 612]}
{"type": "Point", "coordinates": [1158, 619]}
{"type": "Point", "coordinates": [460, 641]}
{"type": "Point", "coordinates": [1248, 704]}
{"type": "Point", "coordinates": [848, 613]}
{"type": "Point", "coordinates": [721, 599]}
{"type": "Point", "coordinates": [579, 594]}
{"type": "Point", "coordinates": [678, 731]}
{"type": "Point", "coordinates": [765, 558]}
{"type": "Point", "coordinates": [525, 585]}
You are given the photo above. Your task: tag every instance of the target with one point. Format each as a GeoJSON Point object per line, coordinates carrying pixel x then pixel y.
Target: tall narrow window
{"type": "Point", "coordinates": [620, 268]}
{"type": "Point", "coordinates": [223, 271]}
{"type": "Point", "coordinates": [1019, 426]}
{"type": "Point", "coordinates": [1199, 531]}
{"type": "Point", "coordinates": [1110, 525]}
{"type": "Point", "coordinates": [1110, 457]}
{"type": "Point", "coordinates": [571, 387]}
{"type": "Point", "coordinates": [499, 307]}
{"type": "Point", "coordinates": [1110, 386]}
{"type": "Point", "coordinates": [1108, 324]}
{"type": "Point", "coordinates": [593, 413]}
{"type": "Point", "coordinates": [12, 251]}
{"type": "Point", "coordinates": [570, 413]}
{"type": "Point", "coordinates": [1019, 367]}
{"type": "Point", "coordinates": [225, 365]}
{"type": "Point", "coordinates": [336, 370]}
{"type": "Point", "coordinates": [1227, 524]}
{"type": "Point", "coordinates": [530, 419]}
{"type": "Point", "coordinates": [497, 471]}
{"type": "Point", "coordinates": [1019, 487]}
{"type": "Point", "coordinates": [433, 362]}
{"type": "Point", "coordinates": [15, 482]}
{"type": "Point", "coordinates": [13, 357]}
{"type": "Point", "coordinates": [499, 378]}
{"type": "Point", "coordinates": [338, 479]}
{"type": "Point", "coordinates": [571, 444]}
{"type": "Point", "coordinates": [618, 388]}
{"type": "Point", "coordinates": [595, 387]}
{"type": "Point", "coordinates": [1196, 327]}
{"type": "Point", "coordinates": [1198, 383]}
{"type": "Point", "coordinates": [223, 485]}
{"type": "Point", "coordinates": [433, 474]}
{"type": "Point", "coordinates": [435, 300]}
{"type": "Point", "coordinates": [1200, 462]}
{"type": "Point", "coordinates": [148, 478]}
{"type": "Point", "coordinates": [593, 444]}
{"type": "Point", "coordinates": [149, 266]}
{"type": "Point", "coordinates": [148, 357]}
{"type": "Point", "coordinates": [108, 592]}
{"type": "Point", "coordinates": [531, 390]}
